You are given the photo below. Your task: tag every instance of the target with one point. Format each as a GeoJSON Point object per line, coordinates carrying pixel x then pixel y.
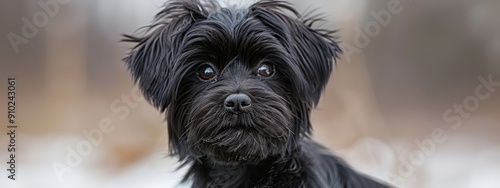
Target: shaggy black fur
{"type": "Point", "coordinates": [197, 54]}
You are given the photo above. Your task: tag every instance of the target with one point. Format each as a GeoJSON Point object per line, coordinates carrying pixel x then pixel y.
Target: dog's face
{"type": "Point", "coordinates": [237, 84]}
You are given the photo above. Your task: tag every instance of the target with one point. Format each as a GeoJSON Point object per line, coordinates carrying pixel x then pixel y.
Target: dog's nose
{"type": "Point", "coordinates": [237, 102]}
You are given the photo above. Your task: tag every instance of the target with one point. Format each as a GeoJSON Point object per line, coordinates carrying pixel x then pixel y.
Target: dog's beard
{"type": "Point", "coordinates": [246, 137]}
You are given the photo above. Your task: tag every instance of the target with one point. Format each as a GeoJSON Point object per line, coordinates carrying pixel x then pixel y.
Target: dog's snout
{"type": "Point", "coordinates": [237, 102]}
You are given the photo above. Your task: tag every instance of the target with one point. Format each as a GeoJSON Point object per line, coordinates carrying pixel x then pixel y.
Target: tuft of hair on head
{"type": "Point", "coordinates": [151, 60]}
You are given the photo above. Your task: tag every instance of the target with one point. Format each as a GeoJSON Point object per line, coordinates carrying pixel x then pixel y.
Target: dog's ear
{"type": "Point", "coordinates": [152, 61]}
{"type": "Point", "coordinates": [315, 49]}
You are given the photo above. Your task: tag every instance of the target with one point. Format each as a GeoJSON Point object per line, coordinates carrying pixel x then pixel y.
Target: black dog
{"type": "Point", "coordinates": [237, 86]}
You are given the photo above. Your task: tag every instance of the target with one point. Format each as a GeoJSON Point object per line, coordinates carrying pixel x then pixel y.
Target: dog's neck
{"type": "Point", "coordinates": [265, 174]}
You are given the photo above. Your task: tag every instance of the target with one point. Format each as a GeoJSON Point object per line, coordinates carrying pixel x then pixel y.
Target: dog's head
{"type": "Point", "coordinates": [237, 85]}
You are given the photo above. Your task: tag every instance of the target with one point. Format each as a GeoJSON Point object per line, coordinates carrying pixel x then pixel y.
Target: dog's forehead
{"type": "Point", "coordinates": [231, 36]}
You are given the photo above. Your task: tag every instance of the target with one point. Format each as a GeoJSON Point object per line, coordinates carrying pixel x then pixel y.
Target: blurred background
{"type": "Point", "coordinates": [415, 99]}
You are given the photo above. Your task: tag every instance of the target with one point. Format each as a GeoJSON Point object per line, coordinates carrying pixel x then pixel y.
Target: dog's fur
{"type": "Point", "coordinates": [268, 143]}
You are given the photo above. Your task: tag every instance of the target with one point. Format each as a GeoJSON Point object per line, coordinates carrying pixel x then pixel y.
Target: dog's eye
{"type": "Point", "coordinates": [206, 72]}
{"type": "Point", "coordinates": [266, 70]}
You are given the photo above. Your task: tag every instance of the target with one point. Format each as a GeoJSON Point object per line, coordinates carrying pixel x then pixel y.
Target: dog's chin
{"type": "Point", "coordinates": [239, 146]}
